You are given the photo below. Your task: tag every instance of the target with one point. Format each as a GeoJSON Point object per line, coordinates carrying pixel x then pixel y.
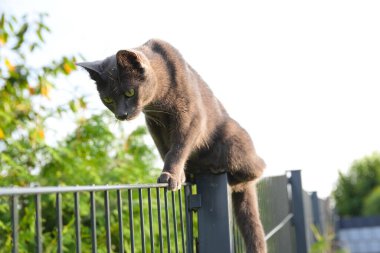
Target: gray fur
{"type": "Point", "coordinates": [190, 127]}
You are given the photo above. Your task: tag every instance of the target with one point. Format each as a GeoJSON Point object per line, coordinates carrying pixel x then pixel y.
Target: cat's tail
{"type": "Point", "coordinates": [247, 215]}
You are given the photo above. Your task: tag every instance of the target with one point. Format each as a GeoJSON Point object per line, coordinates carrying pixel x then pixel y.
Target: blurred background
{"type": "Point", "coordinates": [301, 77]}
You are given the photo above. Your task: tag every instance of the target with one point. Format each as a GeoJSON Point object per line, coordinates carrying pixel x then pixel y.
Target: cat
{"type": "Point", "coordinates": [188, 124]}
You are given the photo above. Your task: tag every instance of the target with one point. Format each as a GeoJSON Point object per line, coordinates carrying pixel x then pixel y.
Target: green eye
{"type": "Point", "coordinates": [130, 93]}
{"type": "Point", "coordinates": [107, 100]}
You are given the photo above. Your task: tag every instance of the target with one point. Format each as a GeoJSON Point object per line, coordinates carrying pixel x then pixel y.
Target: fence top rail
{"type": "Point", "coordinates": [15, 191]}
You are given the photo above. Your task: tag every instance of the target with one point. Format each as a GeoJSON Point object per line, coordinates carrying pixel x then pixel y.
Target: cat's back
{"type": "Point", "coordinates": [163, 54]}
{"type": "Point", "coordinates": [163, 47]}
{"type": "Point", "coordinates": [183, 80]}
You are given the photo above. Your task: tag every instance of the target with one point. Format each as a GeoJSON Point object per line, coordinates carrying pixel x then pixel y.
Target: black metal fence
{"type": "Point", "coordinates": [148, 218]}
{"type": "Point", "coordinates": [287, 214]}
{"type": "Point", "coordinates": [125, 218]}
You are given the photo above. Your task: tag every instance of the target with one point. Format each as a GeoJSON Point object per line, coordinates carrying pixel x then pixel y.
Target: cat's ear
{"type": "Point", "coordinates": [129, 60]}
{"type": "Point", "coordinates": [93, 68]}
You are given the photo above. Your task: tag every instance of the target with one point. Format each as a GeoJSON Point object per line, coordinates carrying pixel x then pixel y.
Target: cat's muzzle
{"type": "Point", "coordinates": [122, 116]}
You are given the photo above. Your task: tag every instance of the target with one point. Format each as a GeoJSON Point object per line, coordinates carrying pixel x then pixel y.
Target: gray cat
{"type": "Point", "coordinates": [189, 125]}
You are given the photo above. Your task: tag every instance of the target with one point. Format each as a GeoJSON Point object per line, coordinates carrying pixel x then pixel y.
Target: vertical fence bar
{"type": "Point", "coordinates": [107, 220]}
{"type": "Point", "coordinates": [298, 211]}
{"type": "Point", "coordinates": [151, 235]}
{"type": "Point", "coordinates": [130, 207]}
{"type": "Point", "coordinates": [189, 219]}
{"type": "Point", "coordinates": [159, 219]}
{"type": "Point", "coordinates": [15, 223]}
{"type": "Point", "coordinates": [167, 219]}
{"type": "Point", "coordinates": [38, 223]}
{"type": "Point", "coordinates": [120, 221]}
{"type": "Point", "coordinates": [78, 244]}
{"type": "Point", "coordinates": [141, 221]}
{"type": "Point", "coordinates": [181, 220]}
{"type": "Point", "coordinates": [175, 223]}
{"type": "Point", "coordinates": [316, 212]}
{"type": "Point", "coordinates": [59, 222]}
{"type": "Point", "coordinates": [215, 214]}
{"type": "Point", "coordinates": [93, 222]}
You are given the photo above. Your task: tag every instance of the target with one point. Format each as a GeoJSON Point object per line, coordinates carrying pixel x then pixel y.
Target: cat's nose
{"type": "Point", "coordinates": [122, 116]}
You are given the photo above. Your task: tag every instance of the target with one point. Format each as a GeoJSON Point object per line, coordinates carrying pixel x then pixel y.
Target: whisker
{"type": "Point", "coordinates": [115, 123]}
{"type": "Point", "coordinates": [155, 120]}
{"type": "Point", "coordinates": [159, 123]}
{"type": "Point", "coordinates": [149, 110]}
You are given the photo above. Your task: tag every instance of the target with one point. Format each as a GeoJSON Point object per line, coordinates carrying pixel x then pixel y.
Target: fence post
{"type": "Point", "coordinates": [215, 214]}
{"type": "Point", "coordinates": [298, 211]}
{"type": "Point", "coordinates": [316, 212]}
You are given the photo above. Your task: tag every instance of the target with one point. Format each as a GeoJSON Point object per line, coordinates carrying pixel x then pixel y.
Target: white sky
{"type": "Point", "coordinates": [301, 76]}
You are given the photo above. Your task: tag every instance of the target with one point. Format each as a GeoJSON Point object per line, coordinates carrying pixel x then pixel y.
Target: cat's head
{"type": "Point", "coordinates": [124, 81]}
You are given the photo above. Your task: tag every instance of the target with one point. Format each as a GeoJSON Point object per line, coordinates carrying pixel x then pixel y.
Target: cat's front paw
{"type": "Point", "coordinates": [174, 181]}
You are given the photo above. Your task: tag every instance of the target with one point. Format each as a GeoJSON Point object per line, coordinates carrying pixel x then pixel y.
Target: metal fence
{"type": "Point", "coordinates": [148, 218]}
{"type": "Point", "coordinates": [125, 218]}
{"type": "Point", "coordinates": [288, 213]}
{"type": "Point", "coordinates": [276, 213]}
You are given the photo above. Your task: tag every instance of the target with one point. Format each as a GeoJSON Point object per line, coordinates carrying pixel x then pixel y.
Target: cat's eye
{"type": "Point", "coordinates": [108, 100]}
{"type": "Point", "coordinates": [130, 93]}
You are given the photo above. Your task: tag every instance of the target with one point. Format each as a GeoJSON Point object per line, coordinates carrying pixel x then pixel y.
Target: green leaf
{"type": "Point", "coordinates": [11, 27]}
{"type": "Point", "coordinates": [3, 38]}
{"type": "Point", "coordinates": [72, 65]}
{"type": "Point", "coordinates": [19, 44]}
{"type": "Point", "coordinates": [23, 30]}
{"type": "Point", "coordinates": [14, 19]}
{"type": "Point", "coordinates": [44, 27]}
{"type": "Point", "coordinates": [33, 47]}
{"type": "Point", "coordinates": [82, 103]}
{"type": "Point", "coordinates": [40, 35]}
{"type": "Point", "coordinates": [73, 106]}
{"type": "Point", "coordinates": [2, 20]}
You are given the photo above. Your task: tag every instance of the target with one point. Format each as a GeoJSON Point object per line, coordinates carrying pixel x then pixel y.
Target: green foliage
{"type": "Point", "coordinates": [356, 191]}
{"type": "Point", "coordinates": [323, 243]}
{"type": "Point", "coordinates": [91, 154]}
{"type": "Point", "coordinates": [372, 203]}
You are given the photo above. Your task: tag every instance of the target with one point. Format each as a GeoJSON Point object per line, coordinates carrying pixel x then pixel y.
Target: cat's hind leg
{"type": "Point", "coordinates": [247, 215]}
